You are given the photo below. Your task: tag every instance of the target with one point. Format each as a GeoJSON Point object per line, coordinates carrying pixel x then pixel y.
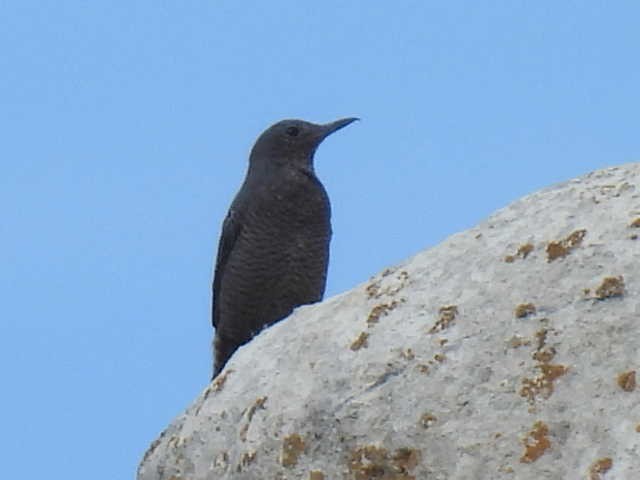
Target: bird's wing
{"type": "Point", "coordinates": [230, 230]}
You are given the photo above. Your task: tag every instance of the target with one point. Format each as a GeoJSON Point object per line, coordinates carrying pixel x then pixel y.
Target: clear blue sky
{"type": "Point", "coordinates": [125, 132]}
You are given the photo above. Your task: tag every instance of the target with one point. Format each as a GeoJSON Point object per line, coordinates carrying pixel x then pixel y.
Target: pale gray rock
{"type": "Point", "coordinates": [506, 352]}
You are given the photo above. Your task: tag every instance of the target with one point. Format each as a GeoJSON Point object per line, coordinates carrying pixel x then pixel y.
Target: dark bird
{"type": "Point", "coordinates": [274, 247]}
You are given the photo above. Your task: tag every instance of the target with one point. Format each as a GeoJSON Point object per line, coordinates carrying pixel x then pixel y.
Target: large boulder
{"type": "Point", "coordinates": [509, 351]}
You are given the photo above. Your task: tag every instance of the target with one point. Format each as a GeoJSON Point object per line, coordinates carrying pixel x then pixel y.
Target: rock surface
{"type": "Point", "coordinates": [509, 351]}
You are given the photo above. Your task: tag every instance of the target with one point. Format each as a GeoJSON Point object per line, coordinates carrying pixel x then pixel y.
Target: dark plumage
{"type": "Point", "coordinates": [274, 247]}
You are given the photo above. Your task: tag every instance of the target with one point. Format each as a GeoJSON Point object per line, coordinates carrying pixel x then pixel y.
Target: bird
{"type": "Point", "coordinates": [273, 250]}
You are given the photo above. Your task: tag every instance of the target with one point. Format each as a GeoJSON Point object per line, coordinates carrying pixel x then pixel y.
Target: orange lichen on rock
{"type": "Point", "coordinates": [427, 419]}
{"type": "Point", "coordinates": [372, 462]}
{"type": "Point", "coordinates": [600, 467]}
{"type": "Point", "coordinates": [610, 287]}
{"type": "Point", "coordinates": [552, 372]}
{"type": "Point", "coordinates": [535, 443]}
{"type": "Point", "coordinates": [407, 354]}
{"type": "Point", "coordinates": [439, 357]}
{"type": "Point", "coordinates": [376, 290]}
{"type": "Point", "coordinates": [627, 381]}
{"type": "Point", "coordinates": [517, 341]}
{"type": "Point", "coordinates": [523, 251]}
{"type": "Point", "coordinates": [543, 384]}
{"type": "Point", "coordinates": [423, 368]}
{"type": "Point", "coordinates": [381, 310]}
{"type": "Point", "coordinates": [525, 309]}
{"type": "Point", "coordinates": [541, 336]}
{"type": "Point", "coordinates": [360, 342]}
{"type": "Point", "coordinates": [562, 248]}
{"type": "Point", "coordinates": [405, 459]}
{"type": "Point", "coordinates": [220, 380]}
{"type": "Point", "coordinates": [292, 448]}
{"type": "Point", "coordinates": [249, 413]}
{"type": "Point", "coordinates": [368, 462]}
{"type": "Point", "coordinates": [448, 313]}
{"type": "Point", "coordinates": [215, 386]}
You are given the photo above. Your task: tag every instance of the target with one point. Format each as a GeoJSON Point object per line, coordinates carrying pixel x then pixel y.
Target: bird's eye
{"type": "Point", "coordinates": [293, 131]}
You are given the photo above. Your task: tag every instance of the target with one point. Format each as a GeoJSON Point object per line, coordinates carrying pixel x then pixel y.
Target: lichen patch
{"type": "Point", "coordinates": [387, 284]}
{"type": "Point", "coordinates": [220, 380]}
{"type": "Point", "coordinates": [249, 413]}
{"type": "Point", "coordinates": [360, 342]}
{"type": "Point", "coordinates": [599, 468]}
{"type": "Point", "coordinates": [543, 383]}
{"type": "Point", "coordinates": [535, 443]}
{"type": "Point", "coordinates": [517, 341]}
{"type": "Point", "coordinates": [541, 338]}
{"type": "Point", "coordinates": [448, 314]}
{"type": "Point", "coordinates": [610, 287]}
{"type": "Point", "coordinates": [627, 381]}
{"type": "Point", "coordinates": [381, 310]}
{"type": "Point", "coordinates": [524, 310]}
{"type": "Point", "coordinates": [405, 459]}
{"type": "Point", "coordinates": [372, 462]}
{"type": "Point", "coordinates": [408, 354]}
{"type": "Point", "coordinates": [525, 250]}
{"type": "Point", "coordinates": [522, 252]}
{"type": "Point", "coordinates": [427, 419]}
{"type": "Point", "coordinates": [562, 248]}
{"type": "Point", "coordinates": [368, 462]}
{"type": "Point", "coordinates": [292, 448]}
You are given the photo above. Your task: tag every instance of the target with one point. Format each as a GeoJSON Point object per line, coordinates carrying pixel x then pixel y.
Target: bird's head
{"type": "Point", "coordinates": [292, 143]}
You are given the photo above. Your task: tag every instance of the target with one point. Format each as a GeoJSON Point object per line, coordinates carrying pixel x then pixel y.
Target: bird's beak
{"type": "Point", "coordinates": [329, 128]}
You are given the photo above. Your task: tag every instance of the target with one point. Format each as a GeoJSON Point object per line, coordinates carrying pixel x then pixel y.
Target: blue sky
{"type": "Point", "coordinates": [125, 132]}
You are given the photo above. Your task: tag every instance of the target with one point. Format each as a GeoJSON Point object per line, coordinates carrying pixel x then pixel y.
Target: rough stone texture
{"type": "Point", "coordinates": [509, 351]}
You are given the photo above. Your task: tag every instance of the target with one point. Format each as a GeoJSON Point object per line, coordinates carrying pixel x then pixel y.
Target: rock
{"type": "Point", "coordinates": [509, 351]}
